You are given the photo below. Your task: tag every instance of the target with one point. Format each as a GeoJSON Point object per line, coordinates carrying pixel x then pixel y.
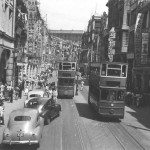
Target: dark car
{"type": "Point", "coordinates": [46, 107]}
{"type": "Point", "coordinates": [50, 110]}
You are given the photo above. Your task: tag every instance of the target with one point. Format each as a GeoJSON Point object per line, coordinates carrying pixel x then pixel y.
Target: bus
{"type": "Point", "coordinates": [66, 79]}
{"type": "Point", "coordinates": [107, 88]}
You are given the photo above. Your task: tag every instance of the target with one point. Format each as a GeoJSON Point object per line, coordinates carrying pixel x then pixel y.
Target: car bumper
{"type": "Point", "coordinates": [10, 142]}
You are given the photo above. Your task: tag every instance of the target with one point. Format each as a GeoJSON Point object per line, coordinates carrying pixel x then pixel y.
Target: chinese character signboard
{"type": "Point", "coordinates": [111, 50]}
{"type": "Point", "coordinates": [32, 15]}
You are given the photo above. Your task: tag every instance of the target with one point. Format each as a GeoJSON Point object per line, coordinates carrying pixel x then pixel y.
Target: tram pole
{"type": "Point", "coordinates": [77, 84]}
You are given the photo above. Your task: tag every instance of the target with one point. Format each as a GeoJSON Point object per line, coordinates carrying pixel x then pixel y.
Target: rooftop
{"type": "Point", "coordinates": [67, 31]}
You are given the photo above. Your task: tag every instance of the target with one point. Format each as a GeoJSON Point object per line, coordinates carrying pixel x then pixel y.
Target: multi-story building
{"type": "Point", "coordinates": [7, 36]}
{"type": "Point", "coordinates": [20, 40]}
{"type": "Point", "coordinates": [138, 49]}
{"type": "Point", "coordinates": [118, 26]}
{"type": "Point", "coordinates": [92, 47]}
{"type": "Point", "coordinates": [71, 35]}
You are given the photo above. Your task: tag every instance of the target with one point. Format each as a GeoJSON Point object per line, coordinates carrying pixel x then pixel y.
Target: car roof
{"type": "Point", "coordinates": [40, 100]}
{"type": "Point", "coordinates": [36, 92]}
{"type": "Point", "coordinates": [24, 112]}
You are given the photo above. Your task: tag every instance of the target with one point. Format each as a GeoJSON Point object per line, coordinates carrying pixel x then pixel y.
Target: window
{"type": "Point", "coordinates": [112, 95]}
{"type": "Point", "coordinates": [22, 118]}
{"type": "Point", "coordinates": [73, 66]}
{"type": "Point", "coordinates": [104, 94]}
{"type": "Point", "coordinates": [128, 19]}
{"type": "Point", "coordinates": [60, 66]}
{"type": "Point", "coordinates": [113, 72]}
{"type": "Point", "coordinates": [32, 104]}
{"type": "Point", "coordinates": [66, 82]}
{"type": "Point", "coordinates": [120, 96]}
{"type": "Point", "coordinates": [103, 71]}
{"type": "Point", "coordinates": [66, 67]}
{"type": "Point", "coordinates": [35, 95]}
{"type": "Point", "coordinates": [145, 20]}
{"type": "Point", "coordinates": [124, 71]}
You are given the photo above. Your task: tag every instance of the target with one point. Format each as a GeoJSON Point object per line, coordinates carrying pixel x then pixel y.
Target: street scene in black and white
{"type": "Point", "coordinates": [74, 74]}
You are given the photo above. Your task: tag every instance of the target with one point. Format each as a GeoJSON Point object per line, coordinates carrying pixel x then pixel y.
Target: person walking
{"type": "Point", "coordinates": [82, 85]}
{"type": "Point", "coordinates": [2, 89]}
{"type": "Point", "coordinates": [50, 92]}
{"type": "Point", "coordinates": [10, 89]}
{"type": "Point", "coordinates": [54, 95]}
{"type": "Point", "coordinates": [20, 91]}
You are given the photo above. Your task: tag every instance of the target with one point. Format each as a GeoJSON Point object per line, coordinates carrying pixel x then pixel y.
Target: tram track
{"type": "Point", "coordinates": [124, 138]}
{"type": "Point", "coordinates": [79, 127]}
{"type": "Point", "coordinates": [112, 130]}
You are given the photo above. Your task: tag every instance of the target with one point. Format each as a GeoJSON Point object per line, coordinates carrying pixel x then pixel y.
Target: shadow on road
{"type": "Point", "coordinates": [18, 147]}
{"type": "Point", "coordinates": [142, 115]}
{"type": "Point", "coordinates": [86, 111]}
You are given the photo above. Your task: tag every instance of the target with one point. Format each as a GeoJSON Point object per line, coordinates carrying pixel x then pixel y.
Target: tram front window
{"type": "Point", "coordinates": [120, 96]}
{"type": "Point", "coordinates": [66, 82]}
{"type": "Point", "coordinates": [104, 94]}
{"type": "Point", "coordinates": [113, 72]}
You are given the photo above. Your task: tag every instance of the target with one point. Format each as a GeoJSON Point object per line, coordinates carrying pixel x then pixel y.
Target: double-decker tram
{"type": "Point", "coordinates": [66, 79]}
{"type": "Point", "coordinates": [107, 87]}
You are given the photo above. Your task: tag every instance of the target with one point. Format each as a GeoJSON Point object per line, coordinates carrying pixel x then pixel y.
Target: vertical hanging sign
{"type": "Point", "coordinates": [111, 50]}
{"type": "Point", "coordinates": [32, 12]}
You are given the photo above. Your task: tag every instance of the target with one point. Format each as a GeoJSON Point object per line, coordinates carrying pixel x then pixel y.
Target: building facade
{"type": "Point", "coordinates": [7, 36]}
{"type": "Point", "coordinates": [118, 26]}
{"type": "Point", "coordinates": [139, 45]}
{"type": "Point", "coordinates": [92, 47]}
{"type": "Point", "coordinates": [71, 35]}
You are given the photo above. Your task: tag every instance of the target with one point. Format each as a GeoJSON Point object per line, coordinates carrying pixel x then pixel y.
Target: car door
{"type": "Point", "coordinates": [51, 108]}
{"type": "Point", "coordinates": [39, 125]}
{"type": "Point", "coordinates": [47, 110]}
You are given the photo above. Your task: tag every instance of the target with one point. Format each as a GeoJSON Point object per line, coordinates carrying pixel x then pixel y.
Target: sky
{"type": "Point", "coordinates": [70, 14]}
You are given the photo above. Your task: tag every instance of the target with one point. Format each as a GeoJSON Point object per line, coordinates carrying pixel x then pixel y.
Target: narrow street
{"type": "Point", "coordinates": [79, 128]}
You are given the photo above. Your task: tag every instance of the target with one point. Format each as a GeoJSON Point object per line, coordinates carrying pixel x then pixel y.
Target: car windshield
{"type": "Point", "coordinates": [22, 118]}
{"type": "Point", "coordinates": [32, 104]}
{"type": "Point", "coordinates": [35, 95]}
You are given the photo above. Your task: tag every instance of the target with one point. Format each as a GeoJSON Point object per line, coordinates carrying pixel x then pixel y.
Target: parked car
{"type": "Point", "coordinates": [46, 108]}
{"type": "Point", "coordinates": [50, 110]}
{"type": "Point", "coordinates": [36, 103]}
{"type": "Point", "coordinates": [34, 93]}
{"type": "Point", "coordinates": [24, 127]}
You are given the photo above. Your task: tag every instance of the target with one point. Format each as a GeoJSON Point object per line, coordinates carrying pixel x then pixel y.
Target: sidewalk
{"type": "Point", "coordinates": [137, 118]}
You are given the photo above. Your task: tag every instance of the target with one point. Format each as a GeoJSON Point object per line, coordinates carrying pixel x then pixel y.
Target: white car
{"type": "Point", "coordinates": [32, 94]}
{"type": "Point", "coordinates": [24, 127]}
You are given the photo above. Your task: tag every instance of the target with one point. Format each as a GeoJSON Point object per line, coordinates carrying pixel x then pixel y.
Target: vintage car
{"type": "Point", "coordinates": [50, 110]}
{"type": "Point", "coordinates": [36, 103]}
{"type": "Point", "coordinates": [34, 93]}
{"type": "Point", "coordinates": [24, 127]}
{"type": "Point", "coordinates": [46, 107]}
